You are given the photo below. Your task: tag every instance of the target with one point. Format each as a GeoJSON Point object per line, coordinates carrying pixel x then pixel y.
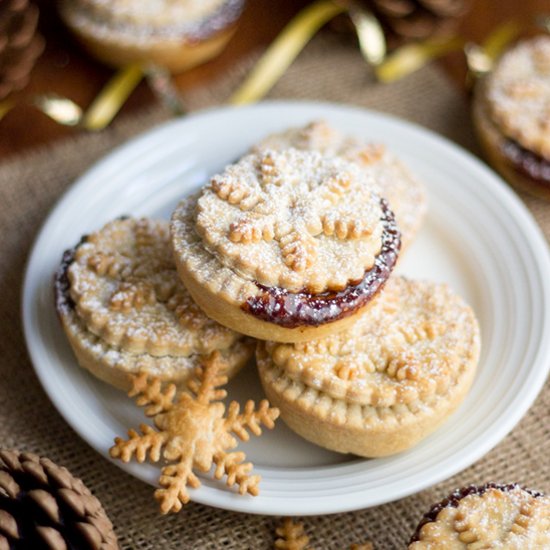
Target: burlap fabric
{"type": "Point", "coordinates": [30, 185]}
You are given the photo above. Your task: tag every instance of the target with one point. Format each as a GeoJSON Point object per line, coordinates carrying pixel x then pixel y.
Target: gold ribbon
{"type": "Point", "coordinates": [286, 47]}
{"type": "Point", "coordinates": [411, 57]}
{"type": "Point", "coordinates": [102, 109]}
{"type": "Point", "coordinates": [111, 98]}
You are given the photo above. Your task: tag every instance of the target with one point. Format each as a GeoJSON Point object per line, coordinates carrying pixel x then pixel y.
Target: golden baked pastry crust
{"type": "Point", "coordinates": [292, 219]}
{"type": "Point", "coordinates": [505, 517]}
{"type": "Point", "coordinates": [405, 193]}
{"type": "Point", "coordinates": [114, 363]}
{"type": "Point", "coordinates": [308, 223]}
{"type": "Point", "coordinates": [176, 35]}
{"type": "Point", "coordinates": [387, 381]}
{"type": "Point", "coordinates": [493, 142]}
{"type": "Point", "coordinates": [193, 432]}
{"type": "Point", "coordinates": [517, 94]}
{"type": "Point", "coordinates": [125, 287]}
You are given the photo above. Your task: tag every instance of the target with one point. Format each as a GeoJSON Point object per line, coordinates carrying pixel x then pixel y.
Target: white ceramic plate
{"type": "Point", "coordinates": [478, 237]}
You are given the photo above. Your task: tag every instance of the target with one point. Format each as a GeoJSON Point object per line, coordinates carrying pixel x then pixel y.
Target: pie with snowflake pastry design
{"type": "Point", "coordinates": [384, 384]}
{"type": "Point", "coordinates": [512, 115]}
{"type": "Point", "coordinates": [125, 310]}
{"type": "Point", "coordinates": [404, 192]}
{"type": "Point", "coordinates": [193, 431]}
{"type": "Point", "coordinates": [496, 516]}
{"type": "Point", "coordinates": [286, 245]}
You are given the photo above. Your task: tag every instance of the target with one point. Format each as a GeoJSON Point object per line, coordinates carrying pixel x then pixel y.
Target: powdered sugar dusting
{"type": "Point", "coordinates": [497, 517]}
{"type": "Point", "coordinates": [125, 287]}
{"type": "Point", "coordinates": [406, 195]}
{"type": "Point", "coordinates": [135, 22]}
{"type": "Point", "coordinates": [518, 94]}
{"type": "Point", "coordinates": [412, 346]}
{"type": "Point", "coordinates": [294, 219]}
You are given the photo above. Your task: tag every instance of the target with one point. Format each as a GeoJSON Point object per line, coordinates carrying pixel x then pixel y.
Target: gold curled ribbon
{"type": "Point", "coordinates": [112, 97]}
{"type": "Point", "coordinates": [64, 111]}
{"type": "Point", "coordinates": [411, 57]}
{"type": "Point", "coordinates": [284, 49]}
{"type": "Point", "coordinates": [372, 41]}
{"type": "Point", "coordinates": [480, 59]}
{"type": "Point", "coordinates": [99, 114]}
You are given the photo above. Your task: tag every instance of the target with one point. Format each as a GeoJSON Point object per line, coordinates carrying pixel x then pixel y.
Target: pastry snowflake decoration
{"type": "Point", "coordinates": [193, 432]}
{"type": "Point", "coordinates": [292, 536]}
{"type": "Point", "coordinates": [300, 212]}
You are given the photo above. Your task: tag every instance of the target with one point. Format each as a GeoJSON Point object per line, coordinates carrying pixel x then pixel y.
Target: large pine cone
{"type": "Point", "coordinates": [42, 506]}
{"type": "Point", "coordinates": [20, 46]}
{"type": "Point", "coordinates": [417, 19]}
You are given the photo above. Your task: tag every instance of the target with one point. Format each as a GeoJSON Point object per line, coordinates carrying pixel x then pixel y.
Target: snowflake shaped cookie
{"type": "Point", "coordinates": [292, 536]}
{"type": "Point", "coordinates": [294, 219]}
{"type": "Point", "coordinates": [193, 431]}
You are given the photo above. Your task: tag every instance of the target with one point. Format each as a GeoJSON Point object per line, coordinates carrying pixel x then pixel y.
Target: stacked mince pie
{"type": "Point", "coordinates": [289, 252]}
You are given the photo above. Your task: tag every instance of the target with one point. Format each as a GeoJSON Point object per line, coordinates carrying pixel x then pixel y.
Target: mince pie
{"type": "Point", "coordinates": [405, 193]}
{"type": "Point", "coordinates": [512, 115]}
{"type": "Point", "coordinates": [125, 311]}
{"type": "Point", "coordinates": [286, 245]}
{"type": "Point", "coordinates": [386, 382]}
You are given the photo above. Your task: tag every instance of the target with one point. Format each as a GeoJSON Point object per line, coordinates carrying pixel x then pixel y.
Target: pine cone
{"type": "Point", "coordinates": [20, 46]}
{"type": "Point", "coordinates": [43, 506]}
{"type": "Point", "coordinates": [417, 19]}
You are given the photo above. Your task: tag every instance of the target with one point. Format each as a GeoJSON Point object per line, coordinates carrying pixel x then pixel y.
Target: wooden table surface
{"type": "Point", "coordinates": [66, 70]}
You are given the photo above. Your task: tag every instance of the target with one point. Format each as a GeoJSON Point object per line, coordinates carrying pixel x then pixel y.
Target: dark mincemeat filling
{"type": "Point", "coordinates": [287, 309]}
{"type": "Point", "coordinates": [527, 163]}
{"type": "Point", "coordinates": [61, 284]}
{"type": "Point", "coordinates": [453, 500]}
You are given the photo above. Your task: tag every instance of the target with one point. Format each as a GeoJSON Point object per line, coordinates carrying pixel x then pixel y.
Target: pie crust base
{"type": "Point", "coordinates": [175, 53]}
{"type": "Point", "coordinates": [397, 402]}
{"type": "Point", "coordinates": [492, 141]}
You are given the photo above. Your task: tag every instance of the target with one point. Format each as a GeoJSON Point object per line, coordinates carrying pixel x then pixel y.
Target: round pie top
{"type": "Point", "coordinates": [406, 195]}
{"type": "Point", "coordinates": [125, 288]}
{"type": "Point", "coordinates": [155, 13]}
{"type": "Point", "coordinates": [518, 94]}
{"type": "Point", "coordinates": [320, 136]}
{"type": "Point", "coordinates": [503, 517]}
{"type": "Point", "coordinates": [135, 18]}
{"type": "Point", "coordinates": [413, 344]}
{"type": "Point", "coordinates": [292, 219]}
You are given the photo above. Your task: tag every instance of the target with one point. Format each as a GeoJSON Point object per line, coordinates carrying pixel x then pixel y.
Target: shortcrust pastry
{"type": "Point", "coordinates": [405, 193]}
{"type": "Point", "coordinates": [176, 34]}
{"type": "Point", "coordinates": [506, 517]}
{"type": "Point", "coordinates": [286, 246]}
{"type": "Point", "coordinates": [512, 115]}
{"type": "Point", "coordinates": [194, 432]}
{"type": "Point", "coordinates": [385, 383]}
{"type": "Point", "coordinates": [125, 310]}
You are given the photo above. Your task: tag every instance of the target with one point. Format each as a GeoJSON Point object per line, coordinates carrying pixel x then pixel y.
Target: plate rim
{"type": "Point", "coordinates": [511, 200]}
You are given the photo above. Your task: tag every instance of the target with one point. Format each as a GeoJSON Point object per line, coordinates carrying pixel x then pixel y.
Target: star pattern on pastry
{"type": "Point", "coordinates": [193, 431]}
{"type": "Point", "coordinates": [292, 217]}
{"type": "Point", "coordinates": [292, 536]}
